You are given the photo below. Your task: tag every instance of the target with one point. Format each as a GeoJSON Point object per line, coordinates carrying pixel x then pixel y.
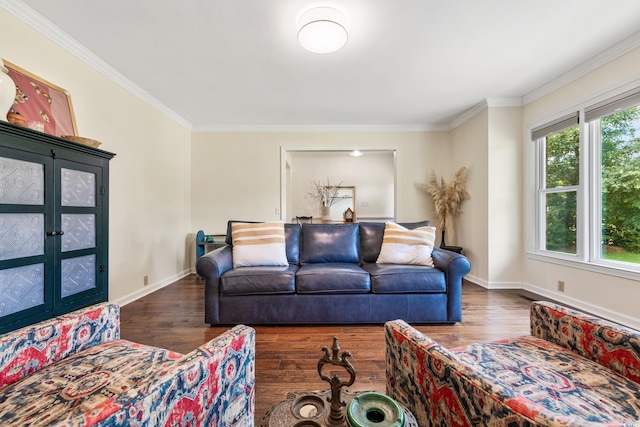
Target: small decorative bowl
{"type": "Point", "coordinates": [86, 141]}
{"type": "Point", "coordinates": [377, 409]}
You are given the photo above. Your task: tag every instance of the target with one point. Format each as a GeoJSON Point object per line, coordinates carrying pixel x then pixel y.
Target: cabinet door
{"type": "Point", "coordinates": [26, 213]}
{"type": "Point", "coordinates": [79, 234]}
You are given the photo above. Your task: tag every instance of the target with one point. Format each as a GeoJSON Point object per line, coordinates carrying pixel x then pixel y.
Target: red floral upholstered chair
{"type": "Point", "coordinates": [75, 370]}
{"type": "Point", "coordinates": [573, 370]}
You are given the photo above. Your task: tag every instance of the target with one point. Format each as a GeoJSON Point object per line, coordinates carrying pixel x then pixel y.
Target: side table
{"type": "Point", "coordinates": [311, 409]}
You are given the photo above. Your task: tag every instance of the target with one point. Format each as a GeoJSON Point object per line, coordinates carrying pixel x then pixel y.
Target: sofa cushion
{"type": "Point", "coordinates": [258, 280]}
{"type": "Point", "coordinates": [403, 246]}
{"type": "Point", "coordinates": [400, 279]}
{"type": "Point", "coordinates": [322, 243]}
{"type": "Point", "coordinates": [85, 384]}
{"type": "Point", "coordinates": [292, 241]}
{"type": "Point", "coordinates": [371, 234]}
{"type": "Point", "coordinates": [544, 376]}
{"type": "Point", "coordinates": [291, 237]}
{"type": "Point", "coordinates": [330, 278]}
{"type": "Point", "coordinates": [258, 244]}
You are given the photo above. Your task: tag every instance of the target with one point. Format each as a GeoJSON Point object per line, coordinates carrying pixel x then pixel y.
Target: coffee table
{"type": "Point", "coordinates": [311, 409]}
{"type": "Point", "coordinates": [329, 408]}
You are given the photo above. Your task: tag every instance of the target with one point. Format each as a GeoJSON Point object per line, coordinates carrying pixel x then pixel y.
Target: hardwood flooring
{"type": "Point", "coordinates": [287, 356]}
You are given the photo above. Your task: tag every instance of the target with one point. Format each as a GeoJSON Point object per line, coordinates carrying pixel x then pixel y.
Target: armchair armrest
{"type": "Point", "coordinates": [33, 347]}
{"type": "Point", "coordinates": [211, 266]}
{"type": "Point", "coordinates": [455, 267]}
{"type": "Point", "coordinates": [211, 386]}
{"type": "Point", "coordinates": [609, 344]}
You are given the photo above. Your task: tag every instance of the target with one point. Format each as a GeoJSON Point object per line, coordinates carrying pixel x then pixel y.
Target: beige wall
{"type": "Point", "coordinates": [470, 148]}
{"type": "Point", "coordinates": [505, 228]}
{"type": "Point", "coordinates": [611, 296]}
{"type": "Point", "coordinates": [150, 183]}
{"type": "Point", "coordinates": [237, 175]}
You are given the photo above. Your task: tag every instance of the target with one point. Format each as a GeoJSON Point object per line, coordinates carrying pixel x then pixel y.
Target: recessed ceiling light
{"type": "Point", "coordinates": [322, 30]}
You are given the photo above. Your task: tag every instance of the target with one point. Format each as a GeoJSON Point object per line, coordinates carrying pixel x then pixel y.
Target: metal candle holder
{"type": "Point", "coordinates": [336, 416]}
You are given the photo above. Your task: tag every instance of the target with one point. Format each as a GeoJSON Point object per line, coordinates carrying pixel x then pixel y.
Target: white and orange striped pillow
{"type": "Point", "coordinates": [260, 244]}
{"type": "Point", "coordinates": [403, 246]}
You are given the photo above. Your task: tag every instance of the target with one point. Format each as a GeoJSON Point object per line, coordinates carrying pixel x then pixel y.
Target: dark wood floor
{"type": "Point", "coordinates": [287, 356]}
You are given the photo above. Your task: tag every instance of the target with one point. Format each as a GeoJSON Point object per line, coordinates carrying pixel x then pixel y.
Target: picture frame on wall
{"type": "Point", "coordinates": [43, 105]}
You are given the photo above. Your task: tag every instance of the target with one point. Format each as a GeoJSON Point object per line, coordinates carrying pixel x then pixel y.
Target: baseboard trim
{"type": "Point", "coordinates": [631, 322]}
{"type": "Point", "coordinates": [628, 321]}
{"type": "Point", "coordinates": [127, 299]}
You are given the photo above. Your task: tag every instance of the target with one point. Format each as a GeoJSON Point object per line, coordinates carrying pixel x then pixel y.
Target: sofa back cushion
{"type": "Point", "coordinates": [291, 238]}
{"type": "Point", "coordinates": [321, 243]}
{"type": "Point", "coordinates": [372, 233]}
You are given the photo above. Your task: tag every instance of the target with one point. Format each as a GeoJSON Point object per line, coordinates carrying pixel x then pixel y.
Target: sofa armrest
{"type": "Point", "coordinates": [455, 267]}
{"type": "Point", "coordinates": [440, 389]}
{"type": "Point", "coordinates": [607, 343]}
{"type": "Point", "coordinates": [211, 386]}
{"type": "Point", "coordinates": [211, 266]}
{"type": "Point", "coordinates": [33, 347]}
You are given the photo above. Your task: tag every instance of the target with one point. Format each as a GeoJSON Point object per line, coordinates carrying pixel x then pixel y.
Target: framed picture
{"type": "Point", "coordinates": [43, 105]}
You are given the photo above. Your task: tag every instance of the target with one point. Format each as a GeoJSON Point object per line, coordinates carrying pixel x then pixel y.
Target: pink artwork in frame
{"type": "Point", "coordinates": [41, 101]}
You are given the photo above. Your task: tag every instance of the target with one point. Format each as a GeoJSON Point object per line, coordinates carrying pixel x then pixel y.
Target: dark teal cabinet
{"type": "Point", "coordinates": [54, 223]}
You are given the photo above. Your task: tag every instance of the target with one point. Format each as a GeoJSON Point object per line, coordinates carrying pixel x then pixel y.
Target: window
{"type": "Point", "coordinates": [588, 185]}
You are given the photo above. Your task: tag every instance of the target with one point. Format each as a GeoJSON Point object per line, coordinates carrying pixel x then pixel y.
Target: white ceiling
{"type": "Point", "coordinates": [413, 64]}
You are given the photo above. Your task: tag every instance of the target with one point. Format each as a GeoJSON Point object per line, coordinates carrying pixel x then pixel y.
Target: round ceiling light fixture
{"type": "Point", "coordinates": [322, 30]}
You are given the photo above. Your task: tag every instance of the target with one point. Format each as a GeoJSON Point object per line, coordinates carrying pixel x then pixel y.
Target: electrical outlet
{"type": "Point", "coordinates": [146, 280]}
{"type": "Point", "coordinates": [561, 285]}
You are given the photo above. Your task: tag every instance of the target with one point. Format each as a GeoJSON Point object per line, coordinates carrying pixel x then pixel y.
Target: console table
{"type": "Point", "coordinates": [205, 240]}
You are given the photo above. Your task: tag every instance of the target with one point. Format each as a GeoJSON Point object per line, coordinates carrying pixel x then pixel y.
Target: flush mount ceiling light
{"type": "Point", "coordinates": [356, 153]}
{"type": "Point", "coordinates": [322, 30]}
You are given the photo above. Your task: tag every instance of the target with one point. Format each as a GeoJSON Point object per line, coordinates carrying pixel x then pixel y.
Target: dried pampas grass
{"type": "Point", "coordinates": [447, 198]}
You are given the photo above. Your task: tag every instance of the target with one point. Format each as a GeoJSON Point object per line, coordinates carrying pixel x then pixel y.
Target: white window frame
{"type": "Point", "coordinates": [588, 203]}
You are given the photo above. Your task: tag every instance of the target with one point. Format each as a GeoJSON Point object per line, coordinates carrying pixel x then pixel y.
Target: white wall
{"type": "Point", "coordinates": [150, 183]}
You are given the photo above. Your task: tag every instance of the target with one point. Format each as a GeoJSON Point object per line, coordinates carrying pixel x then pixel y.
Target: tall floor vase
{"type": "Point", "coordinates": [443, 245]}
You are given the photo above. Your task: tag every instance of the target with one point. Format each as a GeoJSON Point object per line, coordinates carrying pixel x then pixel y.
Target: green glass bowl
{"type": "Point", "coordinates": [374, 409]}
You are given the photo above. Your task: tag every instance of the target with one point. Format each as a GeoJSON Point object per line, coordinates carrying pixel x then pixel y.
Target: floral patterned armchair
{"type": "Point", "coordinates": [573, 370]}
{"type": "Point", "coordinates": [74, 370]}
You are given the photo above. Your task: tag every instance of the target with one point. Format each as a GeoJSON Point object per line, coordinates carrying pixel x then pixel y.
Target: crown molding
{"type": "Point", "coordinates": [587, 66]}
{"type": "Point", "coordinates": [52, 32]}
{"type": "Point", "coordinates": [468, 114]}
{"type": "Point", "coordinates": [324, 128]}
{"type": "Point", "coordinates": [29, 16]}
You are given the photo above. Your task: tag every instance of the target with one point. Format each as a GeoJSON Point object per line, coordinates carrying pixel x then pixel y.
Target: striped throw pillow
{"type": "Point", "coordinates": [260, 244]}
{"type": "Point", "coordinates": [403, 246]}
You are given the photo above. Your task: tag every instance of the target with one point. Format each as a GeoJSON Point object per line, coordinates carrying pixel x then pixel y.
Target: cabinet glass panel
{"type": "Point", "coordinates": [79, 232]}
{"type": "Point", "coordinates": [78, 188]}
{"type": "Point", "coordinates": [21, 183]}
{"type": "Point", "coordinates": [21, 288]}
{"type": "Point", "coordinates": [21, 235]}
{"type": "Point", "coordinates": [78, 274]}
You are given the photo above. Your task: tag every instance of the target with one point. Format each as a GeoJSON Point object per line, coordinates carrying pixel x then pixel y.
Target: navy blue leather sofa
{"type": "Point", "coordinates": [332, 277]}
